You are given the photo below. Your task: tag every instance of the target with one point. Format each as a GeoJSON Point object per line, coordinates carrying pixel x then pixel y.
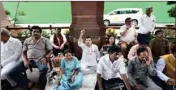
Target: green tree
{"type": "Point", "coordinates": [172, 11]}
{"type": "Point", "coordinates": [7, 12]}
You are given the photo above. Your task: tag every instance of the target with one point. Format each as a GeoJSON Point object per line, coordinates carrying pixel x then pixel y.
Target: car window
{"type": "Point", "coordinates": [125, 12]}
{"type": "Point", "coordinates": [132, 11]}
{"type": "Point", "coordinates": [121, 12]}
{"type": "Point", "coordinates": [113, 13]}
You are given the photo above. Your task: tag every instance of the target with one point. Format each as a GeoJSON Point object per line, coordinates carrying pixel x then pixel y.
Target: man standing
{"type": "Point", "coordinates": [146, 25]}
{"type": "Point", "coordinates": [159, 45]}
{"type": "Point", "coordinates": [139, 69]}
{"type": "Point", "coordinates": [36, 51]}
{"type": "Point", "coordinates": [128, 36]}
{"type": "Point", "coordinates": [111, 71]}
{"type": "Point", "coordinates": [11, 50]}
{"type": "Point", "coordinates": [90, 54]}
{"type": "Point", "coordinates": [166, 67]}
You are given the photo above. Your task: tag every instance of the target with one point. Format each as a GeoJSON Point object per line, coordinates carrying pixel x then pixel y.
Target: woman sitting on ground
{"type": "Point", "coordinates": [110, 42]}
{"type": "Point", "coordinates": [70, 77]}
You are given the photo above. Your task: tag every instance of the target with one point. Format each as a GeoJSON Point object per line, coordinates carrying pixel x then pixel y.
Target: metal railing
{"type": "Point", "coordinates": [50, 27]}
{"type": "Point", "coordinates": [115, 27]}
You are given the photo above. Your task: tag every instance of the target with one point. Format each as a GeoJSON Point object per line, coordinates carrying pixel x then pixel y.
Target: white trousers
{"type": "Point", "coordinates": [5, 72]}
{"type": "Point", "coordinates": [85, 69]}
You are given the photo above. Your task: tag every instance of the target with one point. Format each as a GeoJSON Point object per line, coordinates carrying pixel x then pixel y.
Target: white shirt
{"type": "Point", "coordinates": [109, 70]}
{"type": "Point", "coordinates": [90, 55]}
{"type": "Point", "coordinates": [130, 34]}
{"type": "Point", "coordinates": [10, 51]}
{"type": "Point", "coordinates": [146, 24]}
{"type": "Point", "coordinates": [160, 65]}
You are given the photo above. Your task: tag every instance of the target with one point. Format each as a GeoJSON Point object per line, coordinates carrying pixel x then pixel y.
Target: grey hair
{"type": "Point", "coordinates": [4, 31]}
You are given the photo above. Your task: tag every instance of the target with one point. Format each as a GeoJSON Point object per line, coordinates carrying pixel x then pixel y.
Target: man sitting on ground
{"type": "Point", "coordinates": [139, 69]}
{"type": "Point", "coordinates": [111, 70]}
{"type": "Point", "coordinates": [11, 50]}
{"type": "Point", "coordinates": [166, 69]}
{"type": "Point", "coordinates": [90, 54]}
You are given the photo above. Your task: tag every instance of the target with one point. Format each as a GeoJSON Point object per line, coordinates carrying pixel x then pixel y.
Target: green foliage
{"type": "Point", "coordinates": [21, 13]}
{"type": "Point", "coordinates": [20, 34]}
{"type": "Point", "coordinates": [7, 12]}
{"type": "Point", "coordinates": [15, 19]}
{"type": "Point", "coordinates": [45, 34]}
{"type": "Point", "coordinates": [172, 12]}
{"type": "Point", "coordinates": [24, 33]}
{"type": "Point", "coordinates": [171, 2]}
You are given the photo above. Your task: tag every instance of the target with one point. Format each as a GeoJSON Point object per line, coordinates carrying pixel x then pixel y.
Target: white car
{"type": "Point", "coordinates": [118, 16]}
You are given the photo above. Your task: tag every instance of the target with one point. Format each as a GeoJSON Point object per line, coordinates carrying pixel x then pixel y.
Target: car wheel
{"type": "Point", "coordinates": [135, 22]}
{"type": "Point", "coordinates": [106, 22]}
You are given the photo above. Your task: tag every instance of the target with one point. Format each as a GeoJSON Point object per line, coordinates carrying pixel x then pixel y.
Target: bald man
{"type": "Point", "coordinates": [11, 50]}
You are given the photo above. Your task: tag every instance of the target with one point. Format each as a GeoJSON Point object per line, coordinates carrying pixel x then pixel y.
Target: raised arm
{"type": "Point", "coordinates": [151, 69]}
{"type": "Point", "coordinates": [123, 30]}
{"type": "Point", "coordinates": [80, 40]}
{"type": "Point", "coordinates": [150, 53]}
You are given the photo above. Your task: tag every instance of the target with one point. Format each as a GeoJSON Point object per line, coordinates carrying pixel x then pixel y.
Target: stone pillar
{"type": "Point", "coordinates": [87, 15]}
{"type": "Point", "coordinates": [3, 17]}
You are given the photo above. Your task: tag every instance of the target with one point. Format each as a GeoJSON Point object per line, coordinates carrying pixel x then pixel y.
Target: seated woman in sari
{"type": "Point", "coordinates": [70, 77]}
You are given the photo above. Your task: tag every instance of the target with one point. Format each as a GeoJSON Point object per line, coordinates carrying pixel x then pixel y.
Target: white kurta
{"type": "Point", "coordinates": [90, 56]}
{"type": "Point", "coordinates": [130, 34]}
{"type": "Point", "coordinates": [147, 24]}
{"type": "Point", "coordinates": [10, 54]}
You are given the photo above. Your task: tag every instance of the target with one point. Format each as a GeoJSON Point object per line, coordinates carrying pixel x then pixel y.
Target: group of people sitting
{"type": "Point", "coordinates": [149, 65]}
